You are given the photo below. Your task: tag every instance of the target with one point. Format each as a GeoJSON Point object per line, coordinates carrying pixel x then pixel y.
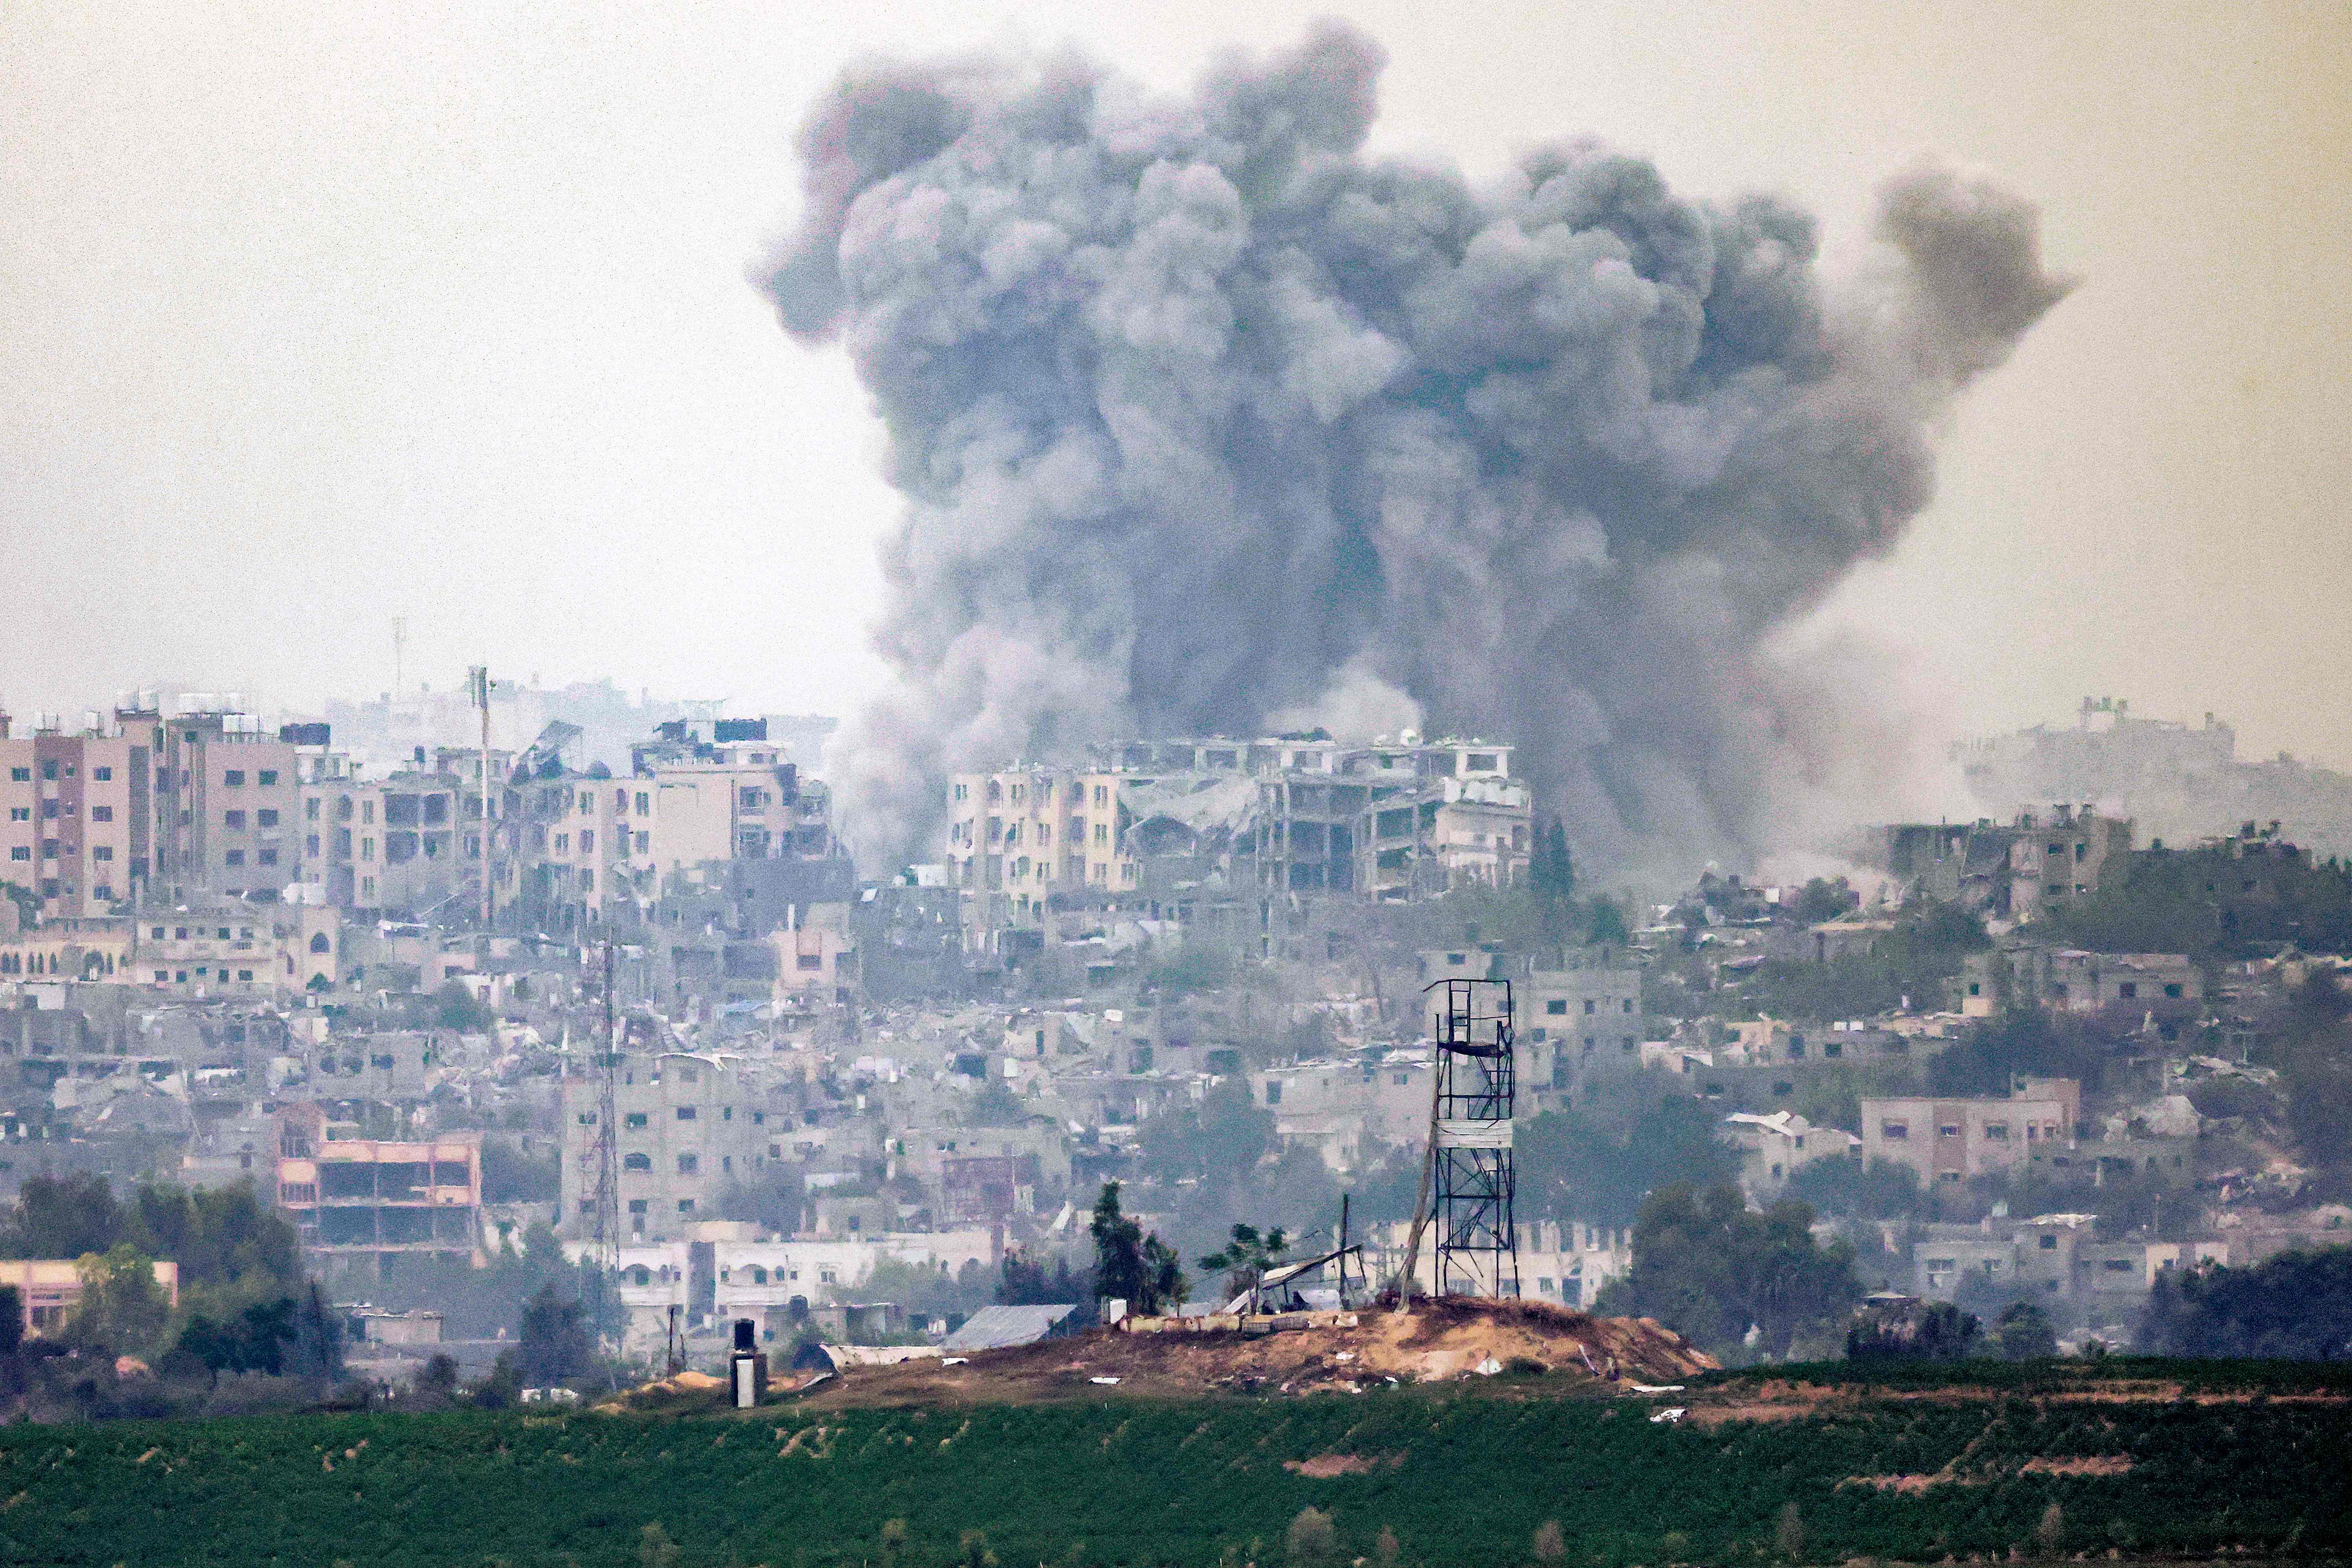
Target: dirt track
{"type": "Point", "coordinates": [1437, 1341]}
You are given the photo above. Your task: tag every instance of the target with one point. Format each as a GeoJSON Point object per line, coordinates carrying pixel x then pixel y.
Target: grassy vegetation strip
{"type": "Point", "coordinates": [1459, 1484]}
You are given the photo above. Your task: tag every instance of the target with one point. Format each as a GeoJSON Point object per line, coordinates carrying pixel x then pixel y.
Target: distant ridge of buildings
{"type": "Point", "coordinates": [2176, 781]}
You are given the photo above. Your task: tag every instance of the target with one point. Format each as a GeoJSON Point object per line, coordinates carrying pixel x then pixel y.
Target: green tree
{"type": "Point", "coordinates": [1246, 1255]}
{"type": "Point", "coordinates": [1882, 1189]}
{"type": "Point", "coordinates": [1596, 1162]}
{"type": "Point", "coordinates": [63, 1216]}
{"type": "Point", "coordinates": [1916, 1330]}
{"type": "Point", "coordinates": [1194, 966]}
{"type": "Point", "coordinates": [512, 1176]}
{"type": "Point", "coordinates": [1551, 878]}
{"type": "Point", "coordinates": [1606, 926]}
{"type": "Point", "coordinates": [1027, 1282]}
{"type": "Point", "coordinates": [454, 1007]}
{"type": "Point", "coordinates": [2022, 1333]}
{"type": "Point", "coordinates": [2295, 1307]}
{"type": "Point", "coordinates": [995, 1106]}
{"type": "Point", "coordinates": [1129, 1266]}
{"type": "Point", "coordinates": [552, 1343]}
{"type": "Point", "coordinates": [315, 1347]}
{"type": "Point", "coordinates": [1710, 1268]}
{"type": "Point", "coordinates": [1823, 900]}
{"type": "Point", "coordinates": [1219, 1142]}
{"type": "Point", "coordinates": [121, 1306]}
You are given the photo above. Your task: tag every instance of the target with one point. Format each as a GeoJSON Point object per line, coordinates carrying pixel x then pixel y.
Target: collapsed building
{"type": "Point", "coordinates": [1228, 839]}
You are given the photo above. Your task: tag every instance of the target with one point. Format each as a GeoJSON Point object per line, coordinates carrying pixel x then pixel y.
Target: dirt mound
{"type": "Point", "coordinates": [687, 1389]}
{"type": "Point", "coordinates": [1435, 1341]}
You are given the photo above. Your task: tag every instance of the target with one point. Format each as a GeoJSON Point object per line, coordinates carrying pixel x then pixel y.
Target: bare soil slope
{"type": "Point", "coordinates": [1437, 1341]}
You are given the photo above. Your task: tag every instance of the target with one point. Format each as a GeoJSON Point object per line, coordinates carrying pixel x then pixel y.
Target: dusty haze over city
{"type": "Point", "coordinates": [452, 318]}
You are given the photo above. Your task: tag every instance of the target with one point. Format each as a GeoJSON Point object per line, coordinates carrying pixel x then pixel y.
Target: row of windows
{"type": "Point", "coordinates": [49, 771]}
{"type": "Point", "coordinates": [1558, 1006]}
{"type": "Point", "coordinates": [688, 1165]}
{"type": "Point", "coordinates": [53, 810]}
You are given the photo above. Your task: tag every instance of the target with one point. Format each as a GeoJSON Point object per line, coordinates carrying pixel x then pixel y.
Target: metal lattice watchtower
{"type": "Point", "coordinates": [1472, 1179]}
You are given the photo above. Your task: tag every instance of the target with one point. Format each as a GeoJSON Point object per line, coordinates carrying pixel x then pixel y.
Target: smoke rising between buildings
{"type": "Point", "coordinates": [1208, 422]}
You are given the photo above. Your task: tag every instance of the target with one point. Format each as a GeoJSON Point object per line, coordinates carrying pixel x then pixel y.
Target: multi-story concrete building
{"type": "Point", "coordinates": [409, 843]}
{"type": "Point", "coordinates": [2057, 859]}
{"type": "Point", "coordinates": [1337, 1107]}
{"type": "Point", "coordinates": [2020, 973]}
{"type": "Point", "coordinates": [718, 790]}
{"type": "Point", "coordinates": [1775, 1147]}
{"type": "Point", "coordinates": [1018, 837]}
{"type": "Point", "coordinates": [228, 802]}
{"type": "Point", "coordinates": [359, 1204]}
{"type": "Point", "coordinates": [393, 1066]}
{"type": "Point", "coordinates": [1574, 1020]}
{"type": "Point", "coordinates": [49, 1289]}
{"type": "Point", "coordinates": [1952, 1141]}
{"type": "Point", "coordinates": [1172, 826]}
{"type": "Point", "coordinates": [575, 832]}
{"type": "Point", "coordinates": [228, 947]}
{"type": "Point", "coordinates": [691, 1128]}
{"type": "Point", "coordinates": [76, 813]}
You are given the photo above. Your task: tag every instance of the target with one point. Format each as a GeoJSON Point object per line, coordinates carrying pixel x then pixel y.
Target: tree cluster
{"type": "Point", "coordinates": [2297, 1306]}
{"type": "Point", "coordinates": [1734, 1281]}
{"type": "Point", "coordinates": [1139, 1269]}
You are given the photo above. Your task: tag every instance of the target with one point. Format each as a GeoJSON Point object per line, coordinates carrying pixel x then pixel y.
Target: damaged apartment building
{"type": "Point", "coordinates": [1229, 838]}
{"type": "Point", "coordinates": [2014, 870]}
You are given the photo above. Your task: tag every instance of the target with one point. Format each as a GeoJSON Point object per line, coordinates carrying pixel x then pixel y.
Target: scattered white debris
{"type": "Point", "coordinates": [1343, 1356]}
{"type": "Point", "coordinates": [1488, 1367]}
{"type": "Point", "coordinates": [1671, 1415]}
{"type": "Point", "coordinates": [1106, 1381]}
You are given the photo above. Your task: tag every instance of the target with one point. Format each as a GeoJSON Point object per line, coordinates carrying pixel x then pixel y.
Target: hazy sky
{"type": "Point", "coordinates": [314, 317]}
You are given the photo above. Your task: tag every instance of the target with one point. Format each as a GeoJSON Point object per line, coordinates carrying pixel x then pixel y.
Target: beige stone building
{"type": "Point", "coordinates": [1953, 1141]}
{"type": "Point", "coordinates": [691, 1128]}
{"type": "Point", "coordinates": [2059, 858]}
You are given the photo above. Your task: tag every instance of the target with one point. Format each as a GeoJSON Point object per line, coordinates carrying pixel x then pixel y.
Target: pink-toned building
{"type": "Point", "coordinates": [76, 818]}
{"type": "Point", "coordinates": [50, 1288]}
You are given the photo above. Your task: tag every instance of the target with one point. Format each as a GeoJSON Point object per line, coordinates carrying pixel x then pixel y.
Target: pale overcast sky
{"type": "Point", "coordinates": [311, 317]}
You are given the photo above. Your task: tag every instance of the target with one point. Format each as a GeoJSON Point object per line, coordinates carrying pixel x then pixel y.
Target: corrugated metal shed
{"type": "Point", "coordinates": [994, 1328]}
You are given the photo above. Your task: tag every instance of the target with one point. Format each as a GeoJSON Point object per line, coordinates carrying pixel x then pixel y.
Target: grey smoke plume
{"type": "Point", "coordinates": [1206, 421]}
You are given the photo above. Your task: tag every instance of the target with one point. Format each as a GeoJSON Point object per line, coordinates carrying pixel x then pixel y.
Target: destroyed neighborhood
{"type": "Point", "coordinates": [641, 1019]}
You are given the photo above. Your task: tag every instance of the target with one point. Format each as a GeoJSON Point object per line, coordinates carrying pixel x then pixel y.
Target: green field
{"type": "Point", "coordinates": [1453, 1478]}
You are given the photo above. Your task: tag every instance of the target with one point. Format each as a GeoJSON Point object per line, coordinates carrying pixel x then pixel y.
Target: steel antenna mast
{"type": "Point", "coordinates": [608, 1131]}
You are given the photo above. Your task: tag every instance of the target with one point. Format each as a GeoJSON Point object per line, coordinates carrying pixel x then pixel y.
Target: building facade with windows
{"type": "Point", "coordinates": [1953, 1141]}
{"type": "Point", "coordinates": [76, 824]}
{"type": "Point", "coordinates": [691, 1128]}
{"type": "Point", "coordinates": [1574, 1020]}
{"type": "Point", "coordinates": [362, 1203]}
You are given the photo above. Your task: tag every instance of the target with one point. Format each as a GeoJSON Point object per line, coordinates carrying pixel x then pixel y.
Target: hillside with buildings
{"type": "Point", "coordinates": [690, 1072]}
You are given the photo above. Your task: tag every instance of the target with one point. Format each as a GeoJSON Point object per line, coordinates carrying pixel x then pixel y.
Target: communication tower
{"type": "Point", "coordinates": [1470, 1142]}
{"type": "Point", "coordinates": [607, 1068]}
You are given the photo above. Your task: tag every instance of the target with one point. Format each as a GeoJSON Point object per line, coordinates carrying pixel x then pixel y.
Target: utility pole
{"type": "Point", "coordinates": [399, 642]}
{"type": "Point", "coordinates": [477, 685]}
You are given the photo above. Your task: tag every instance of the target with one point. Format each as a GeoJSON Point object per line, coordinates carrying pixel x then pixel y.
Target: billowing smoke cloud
{"type": "Point", "coordinates": [1208, 422]}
